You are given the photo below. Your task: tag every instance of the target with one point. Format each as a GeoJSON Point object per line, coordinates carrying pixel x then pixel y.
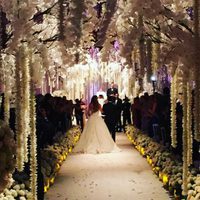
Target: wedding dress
{"type": "Point", "coordinates": [95, 137]}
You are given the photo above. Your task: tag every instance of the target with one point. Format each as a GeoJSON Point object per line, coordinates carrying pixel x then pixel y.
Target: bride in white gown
{"type": "Point", "coordinates": [95, 137]}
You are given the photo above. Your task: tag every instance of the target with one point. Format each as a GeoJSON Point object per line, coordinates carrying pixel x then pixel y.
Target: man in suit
{"type": "Point", "coordinates": [118, 103]}
{"type": "Point", "coordinates": [112, 91]}
{"type": "Point", "coordinates": [109, 110]}
{"type": "Point", "coordinates": [126, 111]}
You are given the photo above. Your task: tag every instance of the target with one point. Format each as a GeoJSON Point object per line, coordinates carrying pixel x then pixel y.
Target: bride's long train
{"type": "Point", "coordinates": [96, 137]}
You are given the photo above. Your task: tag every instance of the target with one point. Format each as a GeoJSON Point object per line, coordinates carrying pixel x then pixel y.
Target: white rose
{"type": "Point", "coordinates": [21, 192]}
{"type": "Point", "coordinates": [16, 187]}
{"type": "Point", "coordinates": [22, 186]}
{"type": "Point", "coordinates": [14, 193]}
{"type": "Point", "coordinates": [22, 198]}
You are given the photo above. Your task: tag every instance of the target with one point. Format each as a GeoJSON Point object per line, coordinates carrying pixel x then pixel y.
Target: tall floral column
{"type": "Point", "coordinates": [187, 129]}
{"type": "Point", "coordinates": [185, 138]}
{"type": "Point", "coordinates": [33, 137]}
{"type": "Point", "coordinates": [173, 110]}
{"type": "Point", "coordinates": [19, 117]}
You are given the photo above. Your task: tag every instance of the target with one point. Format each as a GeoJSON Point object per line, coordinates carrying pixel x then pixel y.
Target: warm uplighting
{"type": "Point", "coordinates": [64, 156]}
{"type": "Point", "coordinates": [165, 179]}
{"type": "Point", "coordinates": [45, 189]}
{"type": "Point", "coordinates": [57, 166]}
{"type": "Point", "coordinates": [149, 160]}
{"type": "Point", "coordinates": [142, 151]}
{"type": "Point", "coordinates": [52, 180]}
{"type": "Point", "coordinates": [70, 150]}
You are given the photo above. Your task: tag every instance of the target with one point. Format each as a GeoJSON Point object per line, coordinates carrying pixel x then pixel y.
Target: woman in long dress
{"type": "Point", "coordinates": [95, 137]}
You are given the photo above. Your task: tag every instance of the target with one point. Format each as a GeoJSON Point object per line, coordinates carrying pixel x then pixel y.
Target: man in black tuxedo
{"type": "Point", "coordinates": [109, 110]}
{"type": "Point", "coordinates": [112, 91]}
{"type": "Point", "coordinates": [118, 103]}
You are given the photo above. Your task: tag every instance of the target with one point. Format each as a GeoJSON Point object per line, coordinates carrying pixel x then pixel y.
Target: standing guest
{"type": "Point", "coordinates": [118, 103]}
{"type": "Point", "coordinates": [112, 91]}
{"type": "Point", "coordinates": [136, 112]}
{"type": "Point", "coordinates": [109, 110]}
{"type": "Point", "coordinates": [145, 117]}
{"type": "Point", "coordinates": [69, 112]}
{"type": "Point", "coordinates": [126, 112]}
{"type": "Point", "coordinates": [78, 113]}
{"type": "Point", "coordinates": [83, 108]}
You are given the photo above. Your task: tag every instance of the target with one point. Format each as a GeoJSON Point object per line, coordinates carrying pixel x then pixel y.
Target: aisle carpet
{"type": "Point", "coordinates": [113, 176]}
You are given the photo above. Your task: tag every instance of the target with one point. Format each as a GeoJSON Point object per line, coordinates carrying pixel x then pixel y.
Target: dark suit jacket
{"type": "Point", "coordinates": [109, 110]}
{"type": "Point", "coordinates": [112, 91]}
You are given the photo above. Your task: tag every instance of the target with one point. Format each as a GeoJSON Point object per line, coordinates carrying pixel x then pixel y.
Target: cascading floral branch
{"type": "Point", "coordinates": [173, 111]}
{"type": "Point", "coordinates": [22, 106]}
{"type": "Point", "coordinates": [26, 115]}
{"type": "Point", "coordinates": [141, 50]}
{"type": "Point", "coordinates": [156, 53]}
{"type": "Point", "coordinates": [33, 137]}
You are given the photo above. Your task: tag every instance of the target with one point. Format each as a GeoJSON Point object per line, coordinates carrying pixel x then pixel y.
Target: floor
{"type": "Point", "coordinates": [113, 176]}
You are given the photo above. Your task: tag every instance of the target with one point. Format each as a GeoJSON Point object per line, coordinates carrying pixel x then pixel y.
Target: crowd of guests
{"type": "Point", "coordinates": [54, 114]}
{"type": "Point", "coordinates": [151, 114]}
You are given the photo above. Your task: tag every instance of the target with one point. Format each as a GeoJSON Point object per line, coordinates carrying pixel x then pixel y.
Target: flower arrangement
{"type": "Point", "coordinates": [165, 164]}
{"type": "Point", "coordinates": [7, 153]}
{"type": "Point", "coordinates": [17, 191]}
{"type": "Point", "coordinates": [53, 156]}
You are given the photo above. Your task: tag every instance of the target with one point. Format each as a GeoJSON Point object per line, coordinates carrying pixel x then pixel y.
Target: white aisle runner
{"type": "Point", "coordinates": [114, 176]}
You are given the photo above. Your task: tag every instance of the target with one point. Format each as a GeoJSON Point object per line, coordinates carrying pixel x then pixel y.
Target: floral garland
{"type": "Point", "coordinates": [22, 106]}
{"type": "Point", "coordinates": [33, 137]}
{"type": "Point", "coordinates": [25, 98]}
{"type": "Point", "coordinates": [173, 111]}
{"type": "Point", "coordinates": [185, 138]}
{"type": "Point", "coordinates": [7, 153]}
{"type": "Point", "coordinates": [7, 101]}
{"type": "Point", "coordinates": [189, 123]}
{"type": "Point", "coordinates": [19, 116]}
